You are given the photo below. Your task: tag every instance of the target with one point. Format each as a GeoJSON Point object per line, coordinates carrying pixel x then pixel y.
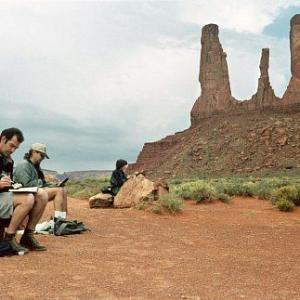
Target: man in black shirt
{"type": "Point", "coordinates": [118, 176]}
{"type": "Point", "coordinates": [17, 206]}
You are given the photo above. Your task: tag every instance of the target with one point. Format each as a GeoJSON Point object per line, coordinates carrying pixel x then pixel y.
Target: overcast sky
{"type": "Point", "coordinates": [95, 80]}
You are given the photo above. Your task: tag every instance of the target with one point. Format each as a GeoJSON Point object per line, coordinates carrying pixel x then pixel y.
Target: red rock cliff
{"type": "Point", "coordinates": [216, 96]}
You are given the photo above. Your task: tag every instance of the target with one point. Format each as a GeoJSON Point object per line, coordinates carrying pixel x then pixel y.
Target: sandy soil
{"type": "Point", "coordinates": [242, 250]}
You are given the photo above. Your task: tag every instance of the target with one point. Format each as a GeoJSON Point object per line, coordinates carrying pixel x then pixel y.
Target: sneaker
{"type": "Point", "coordinates": [15, 247]}
{"type": "Point", "coordinates": [29, 241]}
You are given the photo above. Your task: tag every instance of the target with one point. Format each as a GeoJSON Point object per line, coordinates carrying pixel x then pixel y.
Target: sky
{"type": "Point", "coordinates": [95, 80]}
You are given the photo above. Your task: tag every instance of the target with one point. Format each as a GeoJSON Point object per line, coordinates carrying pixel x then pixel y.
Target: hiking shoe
{"type": "Point", "coordinates": [15, 247]}
{"type": "Point", "coordinates": [30, 242]}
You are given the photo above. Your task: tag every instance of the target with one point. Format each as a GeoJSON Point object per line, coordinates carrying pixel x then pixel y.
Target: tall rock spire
{"type": "Point", "coordinates": [214, 77]}
{"type": "Point", "coordinates": [292, 94]}
{"type": "Point", "coordinates": [264, 96]}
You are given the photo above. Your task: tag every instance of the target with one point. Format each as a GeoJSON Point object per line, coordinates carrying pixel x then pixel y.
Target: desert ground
{"type": "Point", "coordinates": [242, 250]}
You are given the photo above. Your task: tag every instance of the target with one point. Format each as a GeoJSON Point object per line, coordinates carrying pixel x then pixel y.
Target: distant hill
{"type": "Point", "coordinates": [79, 175]}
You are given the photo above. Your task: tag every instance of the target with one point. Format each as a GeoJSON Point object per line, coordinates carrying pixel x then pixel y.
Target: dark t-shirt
{"type": "Point", "coordinates": [6, 168]}
{"type": "Point", "coordinates": [117, 179]}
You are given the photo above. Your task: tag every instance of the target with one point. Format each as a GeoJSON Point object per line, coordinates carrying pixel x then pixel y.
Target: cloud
{"type": "Point", "coordinates": [238, 15]}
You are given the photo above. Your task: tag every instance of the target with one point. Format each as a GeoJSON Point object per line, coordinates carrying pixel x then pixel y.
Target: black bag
{"type": "Point", "coordinates": [5, 248]}
{"type": "Point", "coordinates": [107, 190]}
{"type": "Point", "coordinates": [64, 227]}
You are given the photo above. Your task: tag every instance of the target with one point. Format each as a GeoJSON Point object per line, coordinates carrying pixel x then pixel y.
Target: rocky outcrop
{"type": "Point", "coordinates": [292, 94]}
{"type": "Point", "coordinates": [216, 96]}
{"type": "Point", "coordinates": [221, 125]}
{"type": "Point", "coordinates": [214, 77]}
{"type": "Point", "coordinates": [264, 96]}
{"type": "Point", "coordinates": [153, 154]}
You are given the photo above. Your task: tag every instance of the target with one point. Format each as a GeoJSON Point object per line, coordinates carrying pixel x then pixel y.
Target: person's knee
{"type": "Point", "coordinates": [28, 201]}
{"type": "Point", "coordinates": [42, 196]}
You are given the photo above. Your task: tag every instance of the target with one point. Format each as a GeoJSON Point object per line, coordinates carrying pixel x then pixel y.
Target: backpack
{"type": "Point", "coordinates": [5, 248]}
{"type": "Point", "coordinates": [108, 190]}
{"type": "Point", "coordinates": [64, 227]}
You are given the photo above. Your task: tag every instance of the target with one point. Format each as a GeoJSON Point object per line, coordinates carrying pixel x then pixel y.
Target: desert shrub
{"type": "Point", "coordinates": [224, 197]}
{"type": "Point", "coordinates": [297, 200]}
{"type": "Point", "coordinates": [170, 202]}
{"type": "Point", "coordinates": [157, 209]}
{"type": "Point", "coordinates": [86, 188]}
{"type": "Point", "coordinates": [197, 190]}
{"type": "Point", "coordinates": [141, 206]}
{"type": "Point", "coordinates": [246, 189]}
{"type": "Point", "coordinates": [284, 205]}
{"type": "Point", "coordinates": [263, 191]}
{"type": "Point", "coordinates": [176, 181]}
{"type": "Point", "coordinates": [289, 193]}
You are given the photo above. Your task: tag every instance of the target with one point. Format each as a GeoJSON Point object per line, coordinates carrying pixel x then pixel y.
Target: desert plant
{"type": "Point", "coordinates": [157, 209]}
{"type": "Point", "coordinates": [171, 203]}
{"type": "Point", "coordinates": [288, 192]}
{"type": "Point", "coordinates": [197, 190]}
{"type": "Point", "coordinates": [224, 198]}
{"type": "Point", "coordinates": [284, 204]}
{"type": "Point", "coordinates": [141, 206]}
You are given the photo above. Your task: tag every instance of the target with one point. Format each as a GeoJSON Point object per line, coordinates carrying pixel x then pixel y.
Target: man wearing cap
{"type": "Point", "coordinates": [15, 207]}
{"type": "Point", "coordinates": [30, 174]}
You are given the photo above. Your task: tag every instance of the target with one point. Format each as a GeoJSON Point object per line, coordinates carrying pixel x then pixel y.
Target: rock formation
{"type": "Point", "coordinates": [292, 94]}
{"type": "Point", "coordinates": [264, 96]}
{"type": "Point", "coordinates": [214, 77]}
{"type": "Point", "coordinates": [216, 96]}
{"type": "Point", "coordinates": [221, 126]}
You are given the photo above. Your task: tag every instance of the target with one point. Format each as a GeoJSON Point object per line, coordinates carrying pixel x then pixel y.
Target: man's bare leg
{"type": "Point", "coordinates": [59, 197]}
{"type": "Point", "coordinates": [38, 209]}
{"type": "Point", "coordinates": [28, 240]}
{"type": "Point", "coordinates": [23, 203]}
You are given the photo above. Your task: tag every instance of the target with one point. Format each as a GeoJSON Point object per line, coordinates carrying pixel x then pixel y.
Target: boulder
{"type": "Point", "coordinates": [138, 189]}
{"type": "Point", "coordinates": [101, 201]}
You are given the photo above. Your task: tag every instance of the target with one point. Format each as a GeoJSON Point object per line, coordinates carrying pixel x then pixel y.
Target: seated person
{"type": "Point", "coordinates": [30, 174]}
{"type": "Point", "coordinates": [118, 176]}
{"type": "Point", "coordinates": [15, 206]}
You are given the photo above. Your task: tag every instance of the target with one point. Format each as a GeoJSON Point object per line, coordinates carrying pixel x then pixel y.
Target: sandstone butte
{"type": "Point", "coordinates": [218, 120]}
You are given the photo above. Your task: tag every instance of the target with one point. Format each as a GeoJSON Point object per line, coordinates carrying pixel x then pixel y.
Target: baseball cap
{"type": "Point", "coordinates": [40, 148]}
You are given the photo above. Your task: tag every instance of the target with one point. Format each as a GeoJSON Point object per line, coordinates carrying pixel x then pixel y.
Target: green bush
{"type": "Point", "coordinates": [171, 203]}
{"type": "Point", "coordinates": [263, 191]}
{"type": "Point", "coordinates": [224, 198]}
{"type": "Point", "coordinates": [197, 190]}
{"type": "Point", "coordinates": [235, 188]}
{"type": "Point", "coordinates": [289, 193]}
{"type": "Point", "coordinates": [284, 205]}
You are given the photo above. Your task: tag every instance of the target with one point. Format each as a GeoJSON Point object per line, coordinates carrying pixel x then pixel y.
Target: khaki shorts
{"type": "Point", "coordinates": [6, 205]}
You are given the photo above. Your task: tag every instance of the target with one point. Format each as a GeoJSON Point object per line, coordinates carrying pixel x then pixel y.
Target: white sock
{"type": "Point", "coordinates": [60, 214]}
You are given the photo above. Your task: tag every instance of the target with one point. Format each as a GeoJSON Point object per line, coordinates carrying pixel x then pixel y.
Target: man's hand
{"type": "Point", "coordinates": [5, 182]}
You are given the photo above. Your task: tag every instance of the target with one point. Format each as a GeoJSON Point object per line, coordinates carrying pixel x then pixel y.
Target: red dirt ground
{"type": "Point", "coordinates": [242, 250]}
